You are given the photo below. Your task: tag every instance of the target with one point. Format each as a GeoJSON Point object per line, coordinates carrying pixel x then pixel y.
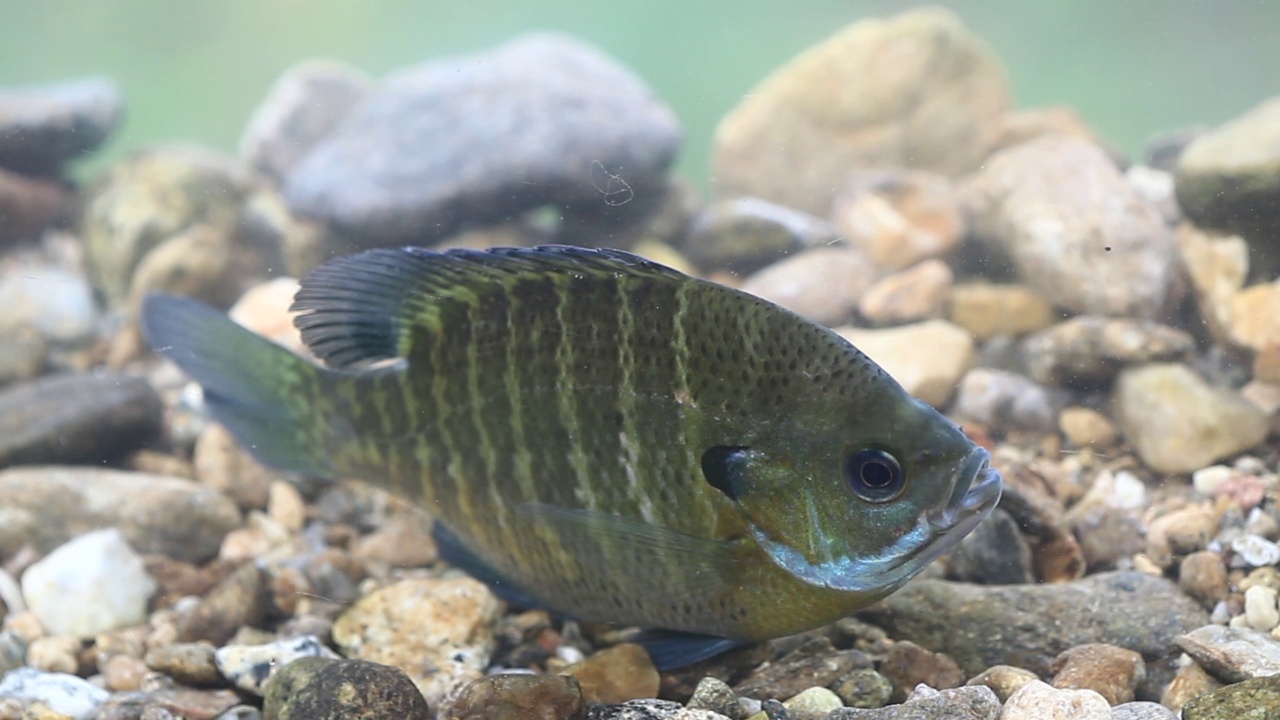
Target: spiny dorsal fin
{"type": "Point", "coordinates": [354, 308]}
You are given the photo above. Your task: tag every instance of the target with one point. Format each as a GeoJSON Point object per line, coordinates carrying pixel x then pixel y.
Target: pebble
{"type": "Point", "coordinates": [1004, 680]}
{"type": "Point", "coordinates": [68, 317]}
{"type": "Point", "coordinates": [1003, 401]}
{"type": "Point", "coordinates": [55, 653]}
{"type": "Point", "coordinates": [901, 218]}
{"type": "Point", "coordinates": [1190, 681]}
{"type": "Point", "coordinates": [306, 103]}
{"type": "Point", "coordinates": [907, 665]}
{"type": "Point", "coordinates": [23, 355]}
{"type": "Point", "coordinates": [28, 205]}
{"type": "Point", "coordinates": [1260, 610]}
{"type": "Point", "coordinates": [44, 127]}
{"type": "Point", "coordinates": [1256, 698]}
{"type": "Point", "coordinates": [123, 673]}
{"type": "Point", "coordinates": [823, 284]}
{"type": "Point", "coordinates": [1217, 267]}
{"type": "Point", "coordinates": [1256, 551]}
{"type": "Point", "coordinates": [398, 166]}
{"type": "Point", "coordinates": [13, 651]}
{"type": "Point", "coordinates": [517, 697]}
{"type": "Point", "coordinates": [1038, 701]}
{"type": "Point", "coordinates": [745, 234]}
{"type": "Point", "coordinates": [155, 514]}
{"type": "Point", "coordinates": [452, 623]}
{"type": "Point", "coordinates": [814, 664]}
{"type": "Point", "coordinates": [1112, 672]}
{"type": "Point", "coordinates": [1254, 313]}
{"type": "Point", "coordinates": [60, 692]}
{"type": "Point", "coordinates": [1227, 179]}
{"type": "Point", "coordinates": [1084, 427]}
{"type": "Point", "coordinates": [86, 418]}
{"type": "Point", "coordinates": [222, 464]}
{"type": "Point", "coordinates": [788, 143]}
{"type": "Point", "coordinates": [932, 376]}
{"type": "Point", "coordinates": [995, 553]}
{"type": "Point", "coordinates": [1088, 350]}
{"type": "Point", "coordinates": [404, 540]}
{"type": "Point", "coordinates": [1203, 576]}
{"type": "Point", "coordinates": [150, 198]}
{"type": "Point", "coordinates": [1073, 228]}
{"type": "Point", "coordinates": [812, 704]}
{"type": "Point", "coordinates": [90, 585]}
{"type": "Point", "coordinates": [1027, 124]}
{"type": "Point", "coordinates": [1028, 625]}
{"type": "Point", "coordinates": [651, 710]}
{"type": "Point", "coordinates": [1180, 532]}
{"type": "Point", "coordinates": [1178, 423]}
{"type": "Point", "coordinates": [864, 688]}
{"type": "Point", "coordinates": [1232, 654]}
{"type": "Point", "coordinates": [963, 703]}
{"type": "Point", "coordinates": [986, 309]}
{"type": "Point", "coordinates": [918, 293]}
{"type": "Point", "coordinates": [190, 664]}
{"type": "Point", "coordinates": [1156, 187]}
{"type": "Point", "coordinates": [238, 600]}
{"type": "Point", "coordinates": [264, 309]}
{"type": "Point", "coordinates": [1142, 710]}
{"type": "Point", "coordinates": [715, 695]}
{"type": "Point", "coordinates": [616, 674]}
{"type": "Point", "coordinates": [285, 506]}
{"type": "Point", "coordinates": [250, 667]}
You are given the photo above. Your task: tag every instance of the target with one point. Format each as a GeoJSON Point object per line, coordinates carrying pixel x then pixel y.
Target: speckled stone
{"type": "Point", "coordinates": [1232, 654]}
{"type": "Point", "coordinates": [1004, 680]}
{"type": "Point", "coordinates": [250, 667]}
{"type": "Point", "coordinates": [1038, 701]}
{"type": "Point", "coordinates": [187, 663]}
{"type": "Point", "coordinates": [1257, 698]}
{"type": "Point", "coordinates": [1112, 672]}
{"type": "Point", "coordinates": [323, 689]}
{"type": "Point", "coordinates": [964, 703]}
{"type": "Point", "coordinates": [715, 695]}
{"type": "Point", "coordinates": [864, 688]}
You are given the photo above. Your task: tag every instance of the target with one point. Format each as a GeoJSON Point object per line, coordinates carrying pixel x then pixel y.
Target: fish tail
{"type": "Point", "coordinates": [267, 397]}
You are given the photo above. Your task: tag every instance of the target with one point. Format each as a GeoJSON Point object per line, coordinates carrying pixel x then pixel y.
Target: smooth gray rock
{"type": "Point", "coordinates": [542, 120]}
{"type": "Point", "coordinates": [42, 127]}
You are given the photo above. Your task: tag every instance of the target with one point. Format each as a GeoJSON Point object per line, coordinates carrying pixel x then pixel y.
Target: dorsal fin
{"type": "Point", "coordinates": [354, 308]}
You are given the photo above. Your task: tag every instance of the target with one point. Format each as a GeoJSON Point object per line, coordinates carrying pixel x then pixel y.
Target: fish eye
{"type": "Point", "coordinates": [874, 475]}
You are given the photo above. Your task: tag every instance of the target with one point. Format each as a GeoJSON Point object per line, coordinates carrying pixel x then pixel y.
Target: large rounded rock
{"type": "Point", "coordinates": [918, 90]}
{"type": "Point", "coordinates": [1229, 178]}
{"type": "Point", "coordinates": [46, 506]}
{"type": "Point", "coordinates": [152, 197]}
{"type": "Point", "coordinates": [42, 127]}
{"type": "Point", "coordinates": [1178, 423]}
{"type": "Point", "coordinates": [541, 120]}
{"type": "Point", "coordinates": [77, 418]}
{"type": "Point", "coordinates": [322, 689]}
{"type": "Point", "coordinates": [1028, 626]}
{"type": "Point", "coordinates": [1074, 228]}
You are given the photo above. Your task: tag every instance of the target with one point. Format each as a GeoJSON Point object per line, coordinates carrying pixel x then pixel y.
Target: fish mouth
{"type": "Point", "coordinates": [976, 488]}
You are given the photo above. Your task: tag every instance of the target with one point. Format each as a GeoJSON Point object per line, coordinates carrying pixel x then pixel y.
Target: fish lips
{"type": "Point", "coordinates": [975, 490]}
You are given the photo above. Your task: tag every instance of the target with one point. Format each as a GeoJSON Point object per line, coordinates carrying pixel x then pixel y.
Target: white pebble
{"type": "Point", "coordinates": [93, 584]}
{"type": "Point", "coordinates": [1207, 480]}
{"type": "Point", "coordinates": [1256, 551]}
{"type": "Point", "coordinates": [1260, 608]}
{"type": "Point", "coordinates": [1128, 492]}
{"type": "Point", "coordinates": [66, 694]}
{"type": "Point", "coordinates": [248, 667]}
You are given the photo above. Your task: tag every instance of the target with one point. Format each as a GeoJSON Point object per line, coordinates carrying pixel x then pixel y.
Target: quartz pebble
{"type": "Point", "coordinates": [1255, 551]}
{"type": "Point", "coordinates": [250, 667]}
{"type": "Point", "coordinates": [60, 692]}
{"type": "Point", "coordinates": [90, 585]}
{"type": "Point", "coordinates": [1260, 610]}
{"type": "Point", "coordinates": [812, 704]}
{"type": "Point", "coordinates": [1038, 701]}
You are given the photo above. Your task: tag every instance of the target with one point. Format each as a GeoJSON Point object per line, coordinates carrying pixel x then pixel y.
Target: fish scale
{"type": "Point", "coordinates": [602, 435]}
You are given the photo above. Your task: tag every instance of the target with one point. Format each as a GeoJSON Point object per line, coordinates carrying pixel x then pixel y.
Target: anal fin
{"type": "Point", "coordinates": [671, 650]}
{"type": "Point", "coordinates": [456, 553]}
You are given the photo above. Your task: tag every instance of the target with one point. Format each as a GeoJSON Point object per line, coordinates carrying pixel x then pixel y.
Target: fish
{"type": "Point", "coordinates": [602, 436]}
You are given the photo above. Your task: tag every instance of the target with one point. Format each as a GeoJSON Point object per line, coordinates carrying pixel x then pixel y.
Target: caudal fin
{"type": "Point", "coordinates": [261, 392]}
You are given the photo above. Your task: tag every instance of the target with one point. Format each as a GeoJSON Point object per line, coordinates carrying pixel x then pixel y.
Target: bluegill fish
{"type": "Point", "coordinates": [603, 436]}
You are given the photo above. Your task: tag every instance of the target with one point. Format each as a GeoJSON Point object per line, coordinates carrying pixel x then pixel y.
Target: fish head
{"type": "Point", "coordinates": [855, 504]}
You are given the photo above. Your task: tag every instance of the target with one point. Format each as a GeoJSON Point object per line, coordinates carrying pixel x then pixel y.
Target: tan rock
{"type": "Point", "coordinates": [918, 90]}
{"type": "Point", "coordinates": [1039, 701]}
{"type": "Point", "coordinates": [900, 218]}
{"type": "Point", "coordinates": [918, 293]}
{"type": "Point", "coordinates": [823, 284]}
{"type": "Point", "coordinates": [615, 675]}
{"type": "Point", "coordinates": [1255, 316]}
{"type": "Point", "coordinates": [928, 358]}
{"type": "Point", "coordinates": [1113, 672]}
{"type": "Point", "coordinates": [987, 309]}
{"type": "Point", "coordinates": [1217, 266]}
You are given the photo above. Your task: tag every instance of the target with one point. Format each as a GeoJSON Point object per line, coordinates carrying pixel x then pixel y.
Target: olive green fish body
{"type": "Point", "coordinates": [620, 441]}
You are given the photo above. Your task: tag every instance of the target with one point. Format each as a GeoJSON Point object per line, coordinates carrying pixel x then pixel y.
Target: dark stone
{"type": "Point", "coordinates": [87, 418]}
{"type": "Point", "coordinates": [239, 600]}
{"type": "Point", "coordinates": [814, 664]}
{"type": "Point", "coordinates": [517, 697]}
{"type": "Point", "coordinates": [995, 553]}
{"type": "Point", "coordinates": [1027, 626]}
{"type": "Point", "coordinates": [746, 234]}
{"type": "Point", "coordinates": [42, 127]}
{"type": "Point", "coordinates": [320, 689]}
{"type": "Point", "coordinates": [544, 120]}
{"type": "Point", "coordinates": [29, 205]}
